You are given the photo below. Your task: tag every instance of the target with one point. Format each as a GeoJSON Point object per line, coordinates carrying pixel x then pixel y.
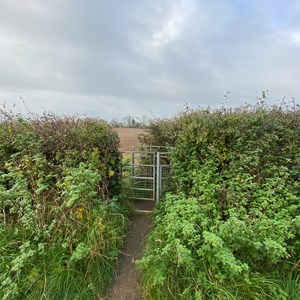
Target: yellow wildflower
{"type": "Point", "coordinates": [79, 212]}
{"type": "Point", "coordinates": [101, 226]}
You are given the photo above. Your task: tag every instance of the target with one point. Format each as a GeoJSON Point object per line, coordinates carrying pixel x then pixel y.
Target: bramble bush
{"type": "Point", "coordinates": [231, 228]}
{"type": "Point", "coordinates": [61, 223]}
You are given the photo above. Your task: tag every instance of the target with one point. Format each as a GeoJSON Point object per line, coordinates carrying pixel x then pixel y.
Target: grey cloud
{"type": "Point", "coordinates": [112, 58]}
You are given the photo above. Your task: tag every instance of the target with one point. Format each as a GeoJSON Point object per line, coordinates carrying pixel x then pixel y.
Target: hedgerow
{"type": "Point", "coordinates": [231, 227]}
{"type": "Point", "coordinates": [60, 220]}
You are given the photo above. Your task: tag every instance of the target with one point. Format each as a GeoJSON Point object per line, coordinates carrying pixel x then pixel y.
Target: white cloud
{"type": "Point", "coordinates": [295, 38]}
{"type": "Point", "coordinates": [172, 24]}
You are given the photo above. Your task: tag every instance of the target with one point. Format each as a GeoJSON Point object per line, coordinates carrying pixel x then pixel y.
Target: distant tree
{"type": "Point", "coordinates": [132, 121]}
{"type": "Point", "coordinates": [126, 121]}
{"type": "Point", "coordinates": [116, 123]}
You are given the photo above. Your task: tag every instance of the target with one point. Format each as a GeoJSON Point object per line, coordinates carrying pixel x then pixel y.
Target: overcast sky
{"type": "Point", "coordinates": [113, 58]}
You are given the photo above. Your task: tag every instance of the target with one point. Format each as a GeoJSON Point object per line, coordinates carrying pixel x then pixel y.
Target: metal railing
{"type": "Point", "coordinates": [149, 170]}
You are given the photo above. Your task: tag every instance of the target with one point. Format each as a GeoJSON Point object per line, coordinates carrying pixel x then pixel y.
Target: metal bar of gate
{"type": "Point", "coordinates": [132, 161]}
{"type": "Point", "coordinates": [157, 176]}
{"type": "Point", "coordinates": [153, 184]}
{"type": "Point", "coordinates": [142, 162]}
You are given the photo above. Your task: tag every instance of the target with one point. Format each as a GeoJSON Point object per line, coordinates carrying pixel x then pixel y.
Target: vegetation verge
{"type": "Point", "coordinates": [61, 222]}
{"type": "Point", "coordinates": [231, 227]}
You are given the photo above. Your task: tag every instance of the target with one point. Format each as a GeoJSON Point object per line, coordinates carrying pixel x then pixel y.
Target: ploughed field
{"type": "Point", "coordinates": [129, 137]}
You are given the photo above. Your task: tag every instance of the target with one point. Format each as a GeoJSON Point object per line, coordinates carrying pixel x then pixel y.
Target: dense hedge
{"type": "Point", "coordinates": [231, 229]}
{"type": "Point", "coordinates": [60, 222]}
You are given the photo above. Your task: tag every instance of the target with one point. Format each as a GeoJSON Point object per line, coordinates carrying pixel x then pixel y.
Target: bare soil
{"type": "Point", "coordinates": [127, 283]}
{"type": "Point", "coordinates": [129, 137]}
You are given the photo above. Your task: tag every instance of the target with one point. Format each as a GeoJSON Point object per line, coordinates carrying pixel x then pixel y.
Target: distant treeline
{"type": "Point", "coordinates": [130, 121]}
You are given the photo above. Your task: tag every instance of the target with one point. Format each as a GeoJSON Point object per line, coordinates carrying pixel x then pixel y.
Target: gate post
{"type": "Point", "coordinates": [154, 176]}
{"type": "Point", "coordinates": [158, 176]}
{"type": "Point", "coordinates": [132, 161]}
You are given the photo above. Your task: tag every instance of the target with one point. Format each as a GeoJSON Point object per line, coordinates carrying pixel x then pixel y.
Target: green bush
{"type": "Point", "coordinates": [231, 228]}
{"type": "Point", "coordinates": [60, 220]}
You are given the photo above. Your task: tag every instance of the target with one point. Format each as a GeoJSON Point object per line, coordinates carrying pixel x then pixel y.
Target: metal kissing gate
{"type": "Point", "coordinates": [147, 177]}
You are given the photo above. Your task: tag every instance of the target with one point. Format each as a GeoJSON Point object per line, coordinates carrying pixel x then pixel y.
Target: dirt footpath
{"type": "Point", "coordinates": [127, 283]}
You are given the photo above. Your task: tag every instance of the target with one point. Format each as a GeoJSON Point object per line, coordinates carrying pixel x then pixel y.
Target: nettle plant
{"type": "Point", "coordinates": [59, 228]}
{"type": "Point", "coordinates": [231, 229]}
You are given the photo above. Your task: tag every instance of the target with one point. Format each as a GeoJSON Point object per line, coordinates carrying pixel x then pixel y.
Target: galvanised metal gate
{"type": "Point", "coordinates": [147, 175]}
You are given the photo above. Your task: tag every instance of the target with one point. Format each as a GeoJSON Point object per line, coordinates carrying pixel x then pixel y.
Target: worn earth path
{"type": "Point", "coordinates": [127, 283]}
